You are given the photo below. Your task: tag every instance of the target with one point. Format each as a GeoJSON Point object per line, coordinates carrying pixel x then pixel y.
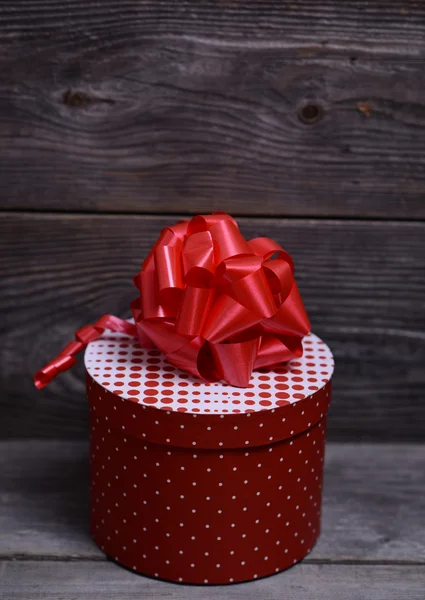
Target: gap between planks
{"type": "Point", "coordinates": [290, 218]}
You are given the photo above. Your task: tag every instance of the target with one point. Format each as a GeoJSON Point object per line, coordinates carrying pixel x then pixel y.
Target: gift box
{"type": "Point", "coordinates": [207, 411]}
{"type": "Point", "coordinates": [203, 482]}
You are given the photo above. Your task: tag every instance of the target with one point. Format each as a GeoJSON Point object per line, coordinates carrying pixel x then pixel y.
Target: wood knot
{"type": "Point", "coordinates": [365, 108]}
{"type": "Point", "coordinates": [78, 99]}
{"type": "Point", "coordinates": [71, 98]}
{"type": "Point", "coordinates": [310, 113]}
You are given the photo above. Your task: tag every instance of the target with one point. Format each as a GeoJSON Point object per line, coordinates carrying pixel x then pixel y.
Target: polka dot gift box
{"type": "Point", "coordinates": [207, 411]}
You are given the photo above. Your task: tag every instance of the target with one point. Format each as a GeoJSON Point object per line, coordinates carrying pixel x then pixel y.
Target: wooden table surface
{"type": "Point", "coordinates": [372, 545]}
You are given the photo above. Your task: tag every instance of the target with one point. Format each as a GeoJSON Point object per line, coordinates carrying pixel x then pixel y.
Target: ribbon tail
{"type": "Point", "coordinates": [58, 365]}
{"type": "Point", "coordinates": [66, 358]}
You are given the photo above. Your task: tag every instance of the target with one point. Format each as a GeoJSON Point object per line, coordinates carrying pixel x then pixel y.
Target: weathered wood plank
{"type": "Point", "coordinates": [363, 286]}
{"type": "Point", "coordinates": [385, 25]}
{"type": "Point", "coordinates": [107, 581]}
{"type": "Point", "coordinates": [373, 504]}
{"type": "Point", "coordinates": [141, 107]}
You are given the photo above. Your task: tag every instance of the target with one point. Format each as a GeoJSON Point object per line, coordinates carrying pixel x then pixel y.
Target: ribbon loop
{"type": "Point", "coordinates": [279, 277]}
{"type": "Point", "coordinates": [194, 309]}
{"type": "Point", "coordinates": [291, 318]}
{"type": "Point", "coordinates": [198, 260]}
{"type": "Point", "coordinates": [266, 247]}
{"type": "Point", "coordinates": [227, 318]}
{"type": "Point", "coordinates": [236, 361]}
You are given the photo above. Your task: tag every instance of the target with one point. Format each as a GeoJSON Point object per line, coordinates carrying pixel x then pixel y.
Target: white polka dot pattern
{"type": "Point", "coordinates": [119, 364]}
{"type": "Point", "coordinates": [190, 494]}
{"type": "Point", "coordinates": [176, 514]}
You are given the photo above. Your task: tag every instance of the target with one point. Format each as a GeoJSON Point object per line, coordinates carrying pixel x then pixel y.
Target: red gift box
{"type": "Point", "coordinates": [201, 482]}
{"type": "Point", "coordinates": [193, 479]}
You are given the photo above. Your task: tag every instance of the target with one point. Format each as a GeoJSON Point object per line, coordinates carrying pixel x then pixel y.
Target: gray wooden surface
{"type": "Point", "coordinates": [372, 544]}
{"type": "Point", "coordinates": [363, 285]}
{"type": "Point", "coordinates": [374, 502]}
{"type": "Point", "coordinates": [139, 106]}
{"type": "Point", "coordinates": [101, 581]}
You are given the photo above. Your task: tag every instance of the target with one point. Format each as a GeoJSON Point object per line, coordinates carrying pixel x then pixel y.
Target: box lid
{"type": "Point", "coordinates": [138, 391]}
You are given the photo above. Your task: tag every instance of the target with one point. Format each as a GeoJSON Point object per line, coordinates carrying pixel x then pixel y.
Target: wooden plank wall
{"type": "Point", "coordinates": [305, 119]}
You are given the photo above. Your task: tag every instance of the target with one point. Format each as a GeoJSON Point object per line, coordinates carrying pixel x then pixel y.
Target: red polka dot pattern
{"type": "Point", "coordinates": [144, 376]}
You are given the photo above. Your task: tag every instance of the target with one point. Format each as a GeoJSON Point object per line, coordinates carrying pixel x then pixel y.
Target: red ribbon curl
{"type": "Point", "coordinates": [66, 359]}
{"type": "Point", "coordinates": [218, 306]}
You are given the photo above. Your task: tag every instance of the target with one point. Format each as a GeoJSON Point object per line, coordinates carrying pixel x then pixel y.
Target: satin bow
{"type": "Point", "coordinates": [216, 305]}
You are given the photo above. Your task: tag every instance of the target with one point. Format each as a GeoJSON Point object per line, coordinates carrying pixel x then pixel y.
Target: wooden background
{"type": "Point", "coordinates": [305, 119]}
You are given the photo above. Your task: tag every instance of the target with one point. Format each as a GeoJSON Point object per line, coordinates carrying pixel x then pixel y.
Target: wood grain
{"type": "Point", "coordinates": [373, 503]}
{"type": "Point", "coordinates": [384, 25]}
{"type": "Point", "coordinates": [107, 581]}
{"type": "Point", "coordinates": [362, 283]}
{"type": "Point", "coordinates": [142, 107]}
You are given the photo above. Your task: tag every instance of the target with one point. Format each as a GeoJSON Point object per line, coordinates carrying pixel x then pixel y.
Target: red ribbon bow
{"type": "Point", "coordinates": [216, 305]}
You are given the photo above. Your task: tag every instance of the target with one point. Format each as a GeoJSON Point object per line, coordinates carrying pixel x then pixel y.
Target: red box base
{"type": "Point", "coordinates": [206, 516]}
{"type": "Point", "coordinates": [205, 498]}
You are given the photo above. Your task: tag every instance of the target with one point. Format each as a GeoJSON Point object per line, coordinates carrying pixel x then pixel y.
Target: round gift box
{"type": "Point", "coordinates": [203, 482]}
